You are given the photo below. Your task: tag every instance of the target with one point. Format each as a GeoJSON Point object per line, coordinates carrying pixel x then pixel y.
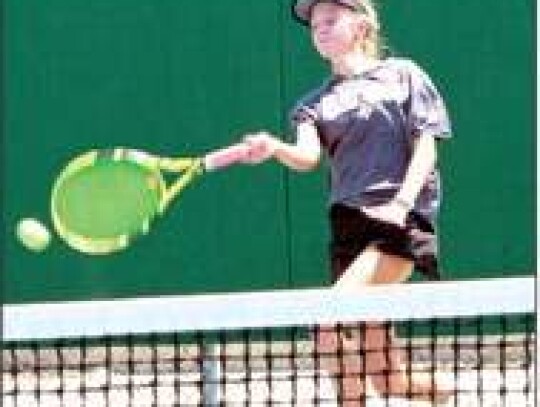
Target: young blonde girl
{"type": "Point", "coordinates": [377, 119]}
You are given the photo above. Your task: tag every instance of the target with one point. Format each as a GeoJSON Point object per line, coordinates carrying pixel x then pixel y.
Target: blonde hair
{"type": "Point", "coordinates": [372, 45]}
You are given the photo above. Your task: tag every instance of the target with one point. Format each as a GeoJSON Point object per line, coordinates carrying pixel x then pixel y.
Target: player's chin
{"type": "Point", "coordinates": [329, 52]}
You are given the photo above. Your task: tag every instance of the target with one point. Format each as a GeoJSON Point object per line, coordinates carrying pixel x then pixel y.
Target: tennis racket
{"type": "Point", "coordinates": [104, 199]}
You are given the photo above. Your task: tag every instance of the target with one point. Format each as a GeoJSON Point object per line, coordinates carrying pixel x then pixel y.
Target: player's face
{"type": "Point", "coordinates": [334, 29]}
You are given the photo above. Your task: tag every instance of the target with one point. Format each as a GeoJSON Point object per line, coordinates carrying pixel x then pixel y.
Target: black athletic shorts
{"type": "Point", "coordinates": [352, 231]}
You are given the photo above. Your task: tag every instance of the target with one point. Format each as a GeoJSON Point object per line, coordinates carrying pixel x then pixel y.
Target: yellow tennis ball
{"type": "Point", "coordinates": [33, 234]}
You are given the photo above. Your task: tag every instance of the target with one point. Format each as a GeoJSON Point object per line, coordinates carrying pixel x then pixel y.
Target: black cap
{"type": "Point", "coordinates": [302, 8]}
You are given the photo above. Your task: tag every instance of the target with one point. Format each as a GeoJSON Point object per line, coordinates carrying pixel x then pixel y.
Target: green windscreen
{"type": "Point", "coordinates": [176, 77]}
{"type": "Point", "coordinates": [107, 199]}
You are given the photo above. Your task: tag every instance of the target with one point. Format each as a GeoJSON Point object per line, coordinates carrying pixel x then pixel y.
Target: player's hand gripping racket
{"type": "Point", "coordinates": [103, 199]}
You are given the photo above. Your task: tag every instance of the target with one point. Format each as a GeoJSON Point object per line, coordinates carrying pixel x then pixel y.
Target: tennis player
{"type": "Point", "coordinates": [378, 119]}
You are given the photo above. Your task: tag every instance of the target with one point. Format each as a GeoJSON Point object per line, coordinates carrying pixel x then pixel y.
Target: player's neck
{"type": "Point", "coordinates": [353, 64]}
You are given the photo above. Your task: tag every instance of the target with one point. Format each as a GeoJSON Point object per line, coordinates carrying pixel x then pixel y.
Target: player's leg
{"type": "Point", "coordinates": [385, 360]}
{"type": "Point", "coordinates": [367, 350]}
{"type": "Point", "coordinates": [340, 347]}
{"type": "Point", "coordinates": [374, 267]}
{"type": "Point", "coordinates": [343, 346]}
{"type": "Point", "coordinates": [343, 362]}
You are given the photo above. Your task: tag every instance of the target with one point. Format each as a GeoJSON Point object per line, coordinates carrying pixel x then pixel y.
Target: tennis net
{"type": "Point", "coordinates": [467, 343]}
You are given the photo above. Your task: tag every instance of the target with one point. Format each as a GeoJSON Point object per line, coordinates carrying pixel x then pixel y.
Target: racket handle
{"type": "Point", "coordinates": [224, 157]}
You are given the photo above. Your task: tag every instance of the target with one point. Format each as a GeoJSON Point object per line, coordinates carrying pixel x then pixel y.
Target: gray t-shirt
{"type": "Point", "coordinates": [368, 124]}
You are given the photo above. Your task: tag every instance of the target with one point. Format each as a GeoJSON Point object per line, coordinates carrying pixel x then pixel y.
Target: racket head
{"type": "Point", "coordinates": [103, 199]}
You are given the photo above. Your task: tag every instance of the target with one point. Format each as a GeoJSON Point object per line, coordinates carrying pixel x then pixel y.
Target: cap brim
{"type": "Point", "coordinates": [302, 10]}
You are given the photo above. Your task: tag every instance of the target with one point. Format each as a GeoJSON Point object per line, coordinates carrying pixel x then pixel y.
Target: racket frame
{"type": "Point", "coordinates": [188, 167]}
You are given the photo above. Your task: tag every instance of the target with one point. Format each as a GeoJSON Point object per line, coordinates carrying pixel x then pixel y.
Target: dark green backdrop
{"type": "Point", "coordinates": [177, 76]}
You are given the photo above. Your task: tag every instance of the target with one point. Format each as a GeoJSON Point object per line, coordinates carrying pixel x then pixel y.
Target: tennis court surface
{"type": "Point", "coordinates": [478, 338]}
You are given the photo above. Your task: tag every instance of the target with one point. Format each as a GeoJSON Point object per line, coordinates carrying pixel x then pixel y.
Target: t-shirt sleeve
{"type": "Point", "coordinates": [304, 111]}
{"type": "Point", "coordinates": [427, 113]}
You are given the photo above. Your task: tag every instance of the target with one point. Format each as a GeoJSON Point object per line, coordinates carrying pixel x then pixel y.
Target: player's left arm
{"type": "Point", "coordinates": [427, 122]}
{"type": "Point", "coordinates": [423, 160]}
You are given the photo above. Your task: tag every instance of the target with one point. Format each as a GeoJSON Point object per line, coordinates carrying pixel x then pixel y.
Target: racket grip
{"type": "Point", "coordinates": [224, 157]}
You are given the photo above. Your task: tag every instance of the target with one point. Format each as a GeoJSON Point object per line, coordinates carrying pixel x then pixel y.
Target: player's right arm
{"type": "Point", "coordinates": [302, 155]}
